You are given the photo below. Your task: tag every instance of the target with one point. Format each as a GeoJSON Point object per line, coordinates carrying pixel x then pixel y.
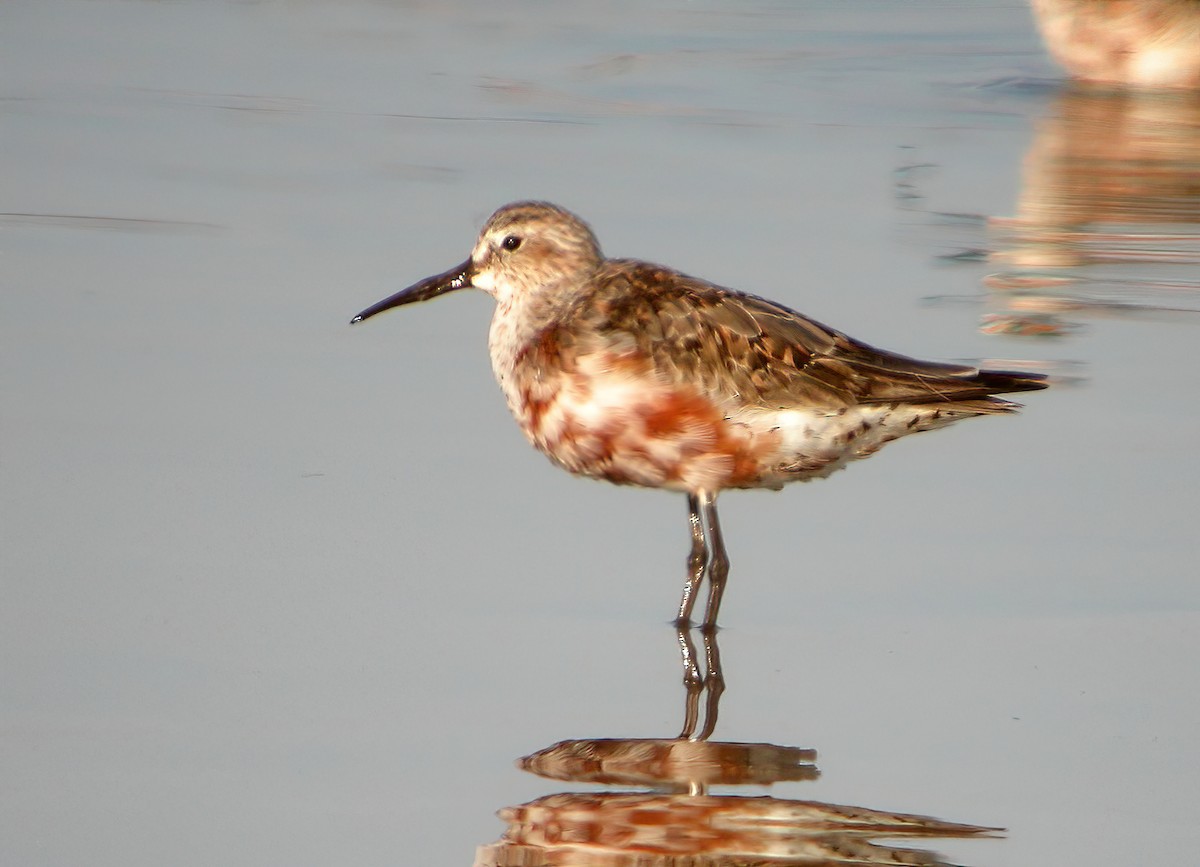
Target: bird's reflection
{"type": "Point", "coordinates": [674, 820]}
{"type": "Point", "coordinates": [698, 682]}
{"type": "Point", "coordinates": [1107, 221]}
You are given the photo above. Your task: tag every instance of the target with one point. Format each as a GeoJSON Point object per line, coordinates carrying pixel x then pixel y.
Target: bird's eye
{"type": "Point", "coordinates": [510, 242]}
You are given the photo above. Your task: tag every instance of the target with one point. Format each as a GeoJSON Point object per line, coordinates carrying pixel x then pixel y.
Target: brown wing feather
{"type": "Point", "coordinates": [756, 351]}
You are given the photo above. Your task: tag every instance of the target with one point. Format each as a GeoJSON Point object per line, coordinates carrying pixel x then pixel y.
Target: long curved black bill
{"type": "Point", "coordinates": [458, 277]}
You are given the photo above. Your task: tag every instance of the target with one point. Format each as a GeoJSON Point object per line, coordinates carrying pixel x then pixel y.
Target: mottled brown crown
{"type": "Point", "coordinates": [545, 223]}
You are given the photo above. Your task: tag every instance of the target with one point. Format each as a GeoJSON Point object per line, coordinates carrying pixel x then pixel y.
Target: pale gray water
{"type": "Point", "coordinates": [279, 591]}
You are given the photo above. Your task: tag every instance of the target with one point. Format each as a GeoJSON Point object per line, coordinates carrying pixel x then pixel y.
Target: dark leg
{"type": "Point", "coordinates": [695, 563]}
{"type": "Point", "coordinates": [714, 682]}
{"type": "Point", "coordinates": [718, 566]}
{"type": "Point", "coordinates": [697, 682]}
{"type": "Point", "coordinates": [693, 681]}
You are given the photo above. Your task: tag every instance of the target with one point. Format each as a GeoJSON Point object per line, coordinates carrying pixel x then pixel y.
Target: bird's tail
{"type": "Point", "coordinates": [993, 382]}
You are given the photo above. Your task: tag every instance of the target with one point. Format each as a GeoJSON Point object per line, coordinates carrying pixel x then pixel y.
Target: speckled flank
{"type": "Point", "coordinates": [605, 416]}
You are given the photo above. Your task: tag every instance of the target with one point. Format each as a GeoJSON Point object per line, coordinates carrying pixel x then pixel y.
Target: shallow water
{"type": "Point", "coordinates": [279, 591]}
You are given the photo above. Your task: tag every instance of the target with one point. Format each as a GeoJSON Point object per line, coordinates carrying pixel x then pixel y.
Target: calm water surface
{"type": "Point", "coordinates": [279, 591]}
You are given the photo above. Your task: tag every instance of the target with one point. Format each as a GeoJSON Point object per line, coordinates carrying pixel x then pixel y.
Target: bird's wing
{"type": "Point", "coordinates": [755, 351]}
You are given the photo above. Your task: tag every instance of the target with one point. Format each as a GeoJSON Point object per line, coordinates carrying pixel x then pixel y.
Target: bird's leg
{"type": "Point", "coordinates": [697, 681]}
{"type": "Point", "coordinates": [718, 565]}
{"type": "Point", "coordinates": [693, 681]}
{"type": "Point", "coordinates": [714, 682]}
{"type": "Point", "coordinates": [707, 557]}
{"type": "Point", "coordinates": [695, 564]}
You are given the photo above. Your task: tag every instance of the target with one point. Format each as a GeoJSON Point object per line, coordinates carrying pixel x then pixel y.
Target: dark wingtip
{"type": "Point", "coordinates": [1005, 381]}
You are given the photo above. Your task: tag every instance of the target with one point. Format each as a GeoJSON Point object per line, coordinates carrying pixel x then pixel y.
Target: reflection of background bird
{"type": "Point", "coordinates": [1121, 158]}
{"type": "Point", "coordinates": [1108, 220]}
{"type": "Point", "coordinates": [1140, 43]}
